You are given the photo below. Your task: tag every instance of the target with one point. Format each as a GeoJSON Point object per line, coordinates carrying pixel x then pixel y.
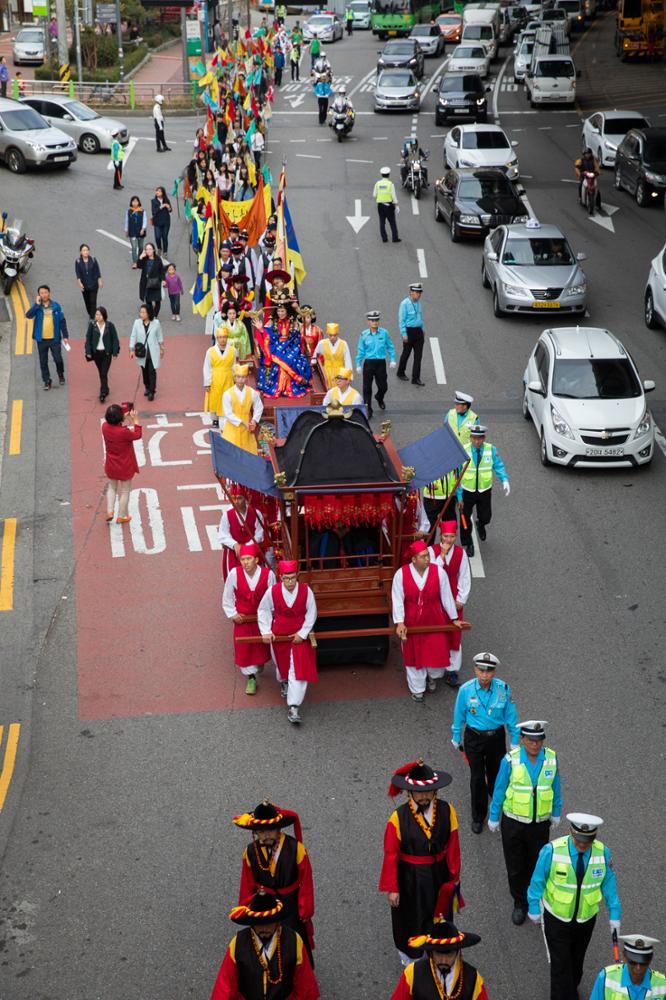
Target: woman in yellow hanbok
{"type": "Point", "coordinates": [218, 374]}
{"type": "Point", "coordinates": [343, 392]}
{"type": "Point", "coordinates": [334, 353]}
{"type": "Point", "coordinates": [242, 408]}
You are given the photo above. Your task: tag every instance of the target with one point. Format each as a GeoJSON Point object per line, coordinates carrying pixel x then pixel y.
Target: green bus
{"type": "Point", "coordinates": [393, 18]}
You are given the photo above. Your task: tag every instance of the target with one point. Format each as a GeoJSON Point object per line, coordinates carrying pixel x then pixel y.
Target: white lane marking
{"type": "Point", "coordinates": [423, 270]}
{"type": "Point", "coordinates": [605, 220]}
{"type": "Point", "coordinates": [526, 202]}
{"type": "Point", "coordinates": [499, 84]}
{"type": "Point", "coordinates": [551, 111]}
{"type": "Point", "coordinates": [357, 220]}
{"type": "Point", "coordinates": [347, 160]}
{"type": "Point", "coordinates": [415, 206]}
{"type": "Point", "coordinates": [526, 177]}
{"type": "Point", "coordinates": [296, 101]}
{"type": "Point", "coordinates": [435, 76]}
{"type": "Point", "coordinates": [151, 138]}
{"type": "Point", "coordinates": [569, 180]}
{"type": "Point", "coordinates": [112, 236]}
{"type": "Point", "coordinates": [475, 561]}
{"type": "Point", "coordinates": [575, 125]}
{"type": "Point", "coordinates": [308, 156]}
{"type": "Point", "coordinates": [437, 361]}
{"type": "Point", "coordinates": [660, 439]}
{"type": "Point", "coordinates": [297, 140]}
{"type": "Point", "coordinates": [545, 128]}
{"type": "Point", "coordinates": [363, 80]}
{"type": "Point", "coordinates": [379, 138]}
{"type": "Point", "coordinates": [129, 149]}
{"type": "Point", "coordinates": [325, 140]}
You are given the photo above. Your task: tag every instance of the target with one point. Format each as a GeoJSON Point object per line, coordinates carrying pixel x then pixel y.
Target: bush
{"type": "Point", "coordinates": [102, 73]}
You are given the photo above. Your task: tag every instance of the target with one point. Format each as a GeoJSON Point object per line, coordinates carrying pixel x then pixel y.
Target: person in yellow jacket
{"type": "Point", "coordinates": [242, 408]}
{"type": "Point", "coordinates": [218, 374]}
{"type": "Point", "coordinates": [461, 416]}
{"type": "Point", "coordinates": [632, 979]}
{"type": "Point", "coordinates": [334, 353]}
{"type": "Point", "coordinates": [343, 392]}
{"type": "Point", "coordinates": [476, 487]}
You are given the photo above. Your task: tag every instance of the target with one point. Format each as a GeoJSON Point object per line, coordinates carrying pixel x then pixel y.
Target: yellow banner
{"type": "Point", "coordinates": [235, 210]}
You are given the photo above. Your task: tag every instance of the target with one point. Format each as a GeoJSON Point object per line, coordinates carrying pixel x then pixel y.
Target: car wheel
{"type": "Point", "coordinates": [524, 408]}
{"type": "Point", "coordinates": [455, 234]}
{"type": "Point", "coordinates": [651, 320]}
{"type": "Point", "coordinates": [89, 143]}
{"type": "Point", "coordinates": [15, 160]}
{"type": "Point", "coordinates": [484, 276]}
{"type": "Point", "coordinates": [438, 211]}
{"type": "Point", "coordinates": [497, 309]}
{"type": "Point", "coordinates": [543, 451]}
{"type": "Point", "coordinates": [618, 179]}
{"type": "Point", "coordinates": [642, 193]}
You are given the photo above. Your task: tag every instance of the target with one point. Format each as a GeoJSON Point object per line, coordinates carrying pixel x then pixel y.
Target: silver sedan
{"type": "Point", "coordinates": [91, 130]}
{"type": "Point", "coordinates": [397, 90]}
{"type": "Point", "coordinates": [531, 269]}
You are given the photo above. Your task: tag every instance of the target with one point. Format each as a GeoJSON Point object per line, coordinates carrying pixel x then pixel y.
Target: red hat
{"type": "Point", "coordinates": [287, 566]}
{"type": "Point", "coordinates": [448, 527]}
{"type": "Point", "coordinates": [251, 549]}
{"type": "Point", "coordinates": [235, 490]}
{"type": "Point", "coordinates": [416, 547]}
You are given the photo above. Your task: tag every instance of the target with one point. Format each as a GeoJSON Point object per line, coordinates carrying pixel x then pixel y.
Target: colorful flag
{"type": "Point", "coordinates": [202, 290]}
{"type": "Point", "coordinates": [294, 257]}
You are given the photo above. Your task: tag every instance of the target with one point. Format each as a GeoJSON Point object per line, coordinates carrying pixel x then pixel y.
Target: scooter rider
{"type": "Point", "coordinates": [322, 66]}
{"type": "Point", "coordinates": [412, 151]}
{"type": "Point", "coordinates": [587, 163]}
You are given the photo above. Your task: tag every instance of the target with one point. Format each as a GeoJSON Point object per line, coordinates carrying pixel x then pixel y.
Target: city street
{"type": "Point", "coordinates": [118, 858]}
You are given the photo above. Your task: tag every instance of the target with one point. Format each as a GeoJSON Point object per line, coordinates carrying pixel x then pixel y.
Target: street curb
{"type": "Point", "coordinates": [5, 368]}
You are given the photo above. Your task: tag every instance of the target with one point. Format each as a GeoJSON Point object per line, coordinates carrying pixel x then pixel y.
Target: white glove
{"type": "Point", "coordinates": [358, 371]}
{"type": "Point", "coordinates": [535, 917]}
{"type": "Point", "coordinates": [493, 825]}
{"type": "Point", "coordinates": [392, 364]}
{"type": "Point", "coordinates": [397, 208]}
{"type": "Point", "coordinates": [615, 926]}
{"type": "Point", "coordinates": [506, 487]}
{"type": "Point", "coordinates": [555, 821]}
{"type": "Point", "coordinates": [455, 744]}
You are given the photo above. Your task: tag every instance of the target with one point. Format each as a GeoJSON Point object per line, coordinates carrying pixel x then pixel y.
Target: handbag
{"type": "Point", "coordinates": [141, 347]}
{"type": "Point", "coordinates": [152, 281]}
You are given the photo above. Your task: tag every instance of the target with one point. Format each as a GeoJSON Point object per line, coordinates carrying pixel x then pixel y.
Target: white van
{"type": "Point", "coordinates": [480, 34]}
{"type": "Point", "coordinates": [551, 79]}
{"type": "Point", "coordinates": [483, 13]}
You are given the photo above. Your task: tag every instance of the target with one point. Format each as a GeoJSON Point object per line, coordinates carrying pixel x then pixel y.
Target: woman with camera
{"type": "Point", "coordinates": [147, 346]}
{"type": "Point", "coordinates": [102, 346]}
{"type": "Point", "coordinates": [121, 428]}
{"type": "Point", "coordinates": [152, 278]}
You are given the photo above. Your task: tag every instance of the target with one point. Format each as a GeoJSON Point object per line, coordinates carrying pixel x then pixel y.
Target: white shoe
{"type": "Point", "coordinates": [432, 684]}
{"type": "Point", "coordinates": [177, 319]}
{"type": "Point", "coordinates": [173, 316]}
{"type": "Point", "coordinates": [292, 715]}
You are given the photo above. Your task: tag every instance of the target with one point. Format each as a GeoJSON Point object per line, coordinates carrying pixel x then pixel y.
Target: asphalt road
{"type": "Point", "coordinates": [120, 862]}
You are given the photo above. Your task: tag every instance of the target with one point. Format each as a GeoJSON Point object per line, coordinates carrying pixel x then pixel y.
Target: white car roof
{"type": "Point", "coordinates": [585, 342]}
{"type": "Point", "coordinates": [479, 127]}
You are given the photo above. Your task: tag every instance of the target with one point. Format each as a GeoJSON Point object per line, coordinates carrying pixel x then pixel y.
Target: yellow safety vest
{"type": "Point", "coordinates": [614, 990]}
{"type": "Point", "coordinates": [484, 480]}
{"type": "Point", "coordinates": [384, 191]}
{"type": "Point", "coordinates": [519, 800]}
{"type": "Point", "coordinates": [559, 896]}
{"type": "Point", "coordinates": [440, 489]}
{"type": "Point", "coordinates": [117, 151]}
{"type": "Point", "coordinates": [461, 431]}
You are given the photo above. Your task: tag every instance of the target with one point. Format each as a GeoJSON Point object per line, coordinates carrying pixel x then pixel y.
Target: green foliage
{"type": "Point", "coordinates": [102, 73]}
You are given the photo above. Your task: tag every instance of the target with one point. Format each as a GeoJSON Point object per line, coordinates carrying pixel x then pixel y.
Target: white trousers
{"type": "Point", "coordinates": [295, 689]}
{"type": "Point", "coordinates": [456, 660]}
{"type": "Point", "coordinates": [416, 678]}
{"type": "Point", "coordinates": [249, 671]}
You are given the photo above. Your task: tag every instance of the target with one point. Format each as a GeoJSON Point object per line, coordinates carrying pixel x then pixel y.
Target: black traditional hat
{"type": "Point", "coordinates": [243, 278]}
{"type": "Point", "coordinates": [418, 777]}
{"type": "Point", "coordinates": [265, 816]}
{"type": "Point", "coordinates": [264, 908]}
{"type": "Point", "coordinates": [443, 936]}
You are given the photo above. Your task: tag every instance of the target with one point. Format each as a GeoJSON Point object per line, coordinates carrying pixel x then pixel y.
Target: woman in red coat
{"type": "Point", "coordinates": [120, 430]}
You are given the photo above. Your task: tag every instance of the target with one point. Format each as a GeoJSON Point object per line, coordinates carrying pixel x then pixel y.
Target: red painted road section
{"type": "Point", "coordinates": [151, 635]}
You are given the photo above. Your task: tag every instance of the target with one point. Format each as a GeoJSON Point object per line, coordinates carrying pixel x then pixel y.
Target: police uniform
{"type": "Point", "coordinates": [460, 423]}
{"type": "Point", "coordinates": [528, 798]}
{"type": "Point", "coordinates": [435, 495]}
{"type": "Point", "coordinates": [571, 885]}
{"type": "Point", "coordinates": [615, 982]}
{"type": "Point", "coordinates": [373, 349]}
{"type": "Point", "coordinates": [410, 324]}
{"type": "Point", "coordinates": [485, 716]}
{"type": "Point", "coordinates": [386, 198]}
{"type": "Point", "coordinates": [476, 486]}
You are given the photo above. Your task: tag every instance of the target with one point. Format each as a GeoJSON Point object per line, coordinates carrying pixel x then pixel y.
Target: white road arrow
{"type": "Point", "coordinates": [605, 220]}
{"type": "Point", "coordinates": [357, 221]}
{"type": "Point", "coordinates": [295, 101]}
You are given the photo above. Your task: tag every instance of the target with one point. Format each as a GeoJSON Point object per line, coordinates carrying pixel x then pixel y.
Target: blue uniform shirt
{"type": "Point", "coordinates": [533, 769]}
{"type": "Point", "coordinates": [635, 992]}
{"type": "Point", "coordinates": [485, 709]}
{"type": "Point", "coordinates": [409, 314]}
{"type": "Point", "coordinates": [323, 89]}
{"type": "Point", "coordinates": [541, 872]}
{"type": "Point", "coordinates": [374, 346]}
{"type": "Point", "coordinates": [498, 467]}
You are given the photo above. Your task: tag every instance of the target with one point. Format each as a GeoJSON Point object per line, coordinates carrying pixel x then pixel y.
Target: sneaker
{"type": "Point", "coordinates": [292, 715]}
{"type": "Point", "coordinates": [47, 386]}
{"type": "Point", "coordinates": [251, 686]}
{"type": "Point", "coordinates": [109, 516]}
{"type": "Point", "coordinates": [283, 689]}
{"type": "Point", "coordinates": [419, 698]}
{"type": "Point", "coordinates": [177, 318]}
{"type": "Point", "coordinates": [432, 684]}
{"type": "Point", "coordinates": [451, 678]}
{"type": "Point", "coordinates": [123, 520]}
{"type": "Point", "coordinates": [173, 316]}
{"type": "Point", "coordinates": [61, 379]}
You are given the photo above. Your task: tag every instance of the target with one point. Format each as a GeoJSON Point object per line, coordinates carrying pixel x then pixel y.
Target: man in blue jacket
{"type": "Point", "coordinates": [49, 330]}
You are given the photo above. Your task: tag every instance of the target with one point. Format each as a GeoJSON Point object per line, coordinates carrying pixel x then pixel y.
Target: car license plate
{"type": "Point", "coordinates": [60, 159]}
{"type": "Point", "coordinates": [391, 33]}
{"type": "Point", "coordinates": [545, 305]}
{"type": "Point", "coordinates": [459, 111]}
{"type": "Point", "coordinates": [608, 452]}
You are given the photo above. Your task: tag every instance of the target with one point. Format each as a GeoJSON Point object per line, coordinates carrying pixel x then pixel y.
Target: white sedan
{"type": "Point", "coordinates": [604, 131]}
{"type": "Point", "coordinates": [655, 292]}
{"type": "Point", "coordinates": [469, 59]}
{"type": "Point", "coordinates": [481, 146]}
{"type": "Point", "coordinates": [326, 27]}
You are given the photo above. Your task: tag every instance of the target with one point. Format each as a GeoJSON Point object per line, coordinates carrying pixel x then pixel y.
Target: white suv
{"type": "Point", "coordinates": [655, 292]}
{"type": "Point", "coordinates": [582, 390]}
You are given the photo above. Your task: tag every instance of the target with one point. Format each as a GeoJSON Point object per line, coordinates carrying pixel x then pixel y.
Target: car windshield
{"type": "Point", "coordinates": [396, 80]}
{"type": "Point", "coordinates": [392, 6]}
{"type": "Point", "coordinates": [485, 140]}
{"type": "Point", "coordinates": [320, 22]}
{"type": "Point", "coordinates": [23, 120]}
{"type": "Point", "coordinates": [655, 148]}
{"type": "Point", "coordinates": [553, 15]}
{"type": "Point", "coordinates": [527, 47]}
{"type": "Point", "coordinates": [31, 35]}
{"type": "Point", "coordinates": [456, 84]}
{"type": "Point", "coordinates": [453, 19]}
{"type": "Point", "coordinates": [571, 6]}
{"type": "Point", "coordinates": [620, 126]}
{"type": "Point", "coordinates": [421, 30]}
{"type": "Point", "coordinates": [478, 31]}
{"type": "Point", "coordinates": [360, 8]}
{"type": "Point", "coordinates": [555, 67]}
{"type": "Point", "coordinates": [538, 251]}
{"type": "Point", "coordinates": [398, 49]}
{"type": "Point", "coordinates": [81, 112]}
{"type": "Point", "coordinates": [595, 378]}
{"type": "Point", "coordinates": [467, 52]}
{"type": "Point", "coordinates": [476, 188]}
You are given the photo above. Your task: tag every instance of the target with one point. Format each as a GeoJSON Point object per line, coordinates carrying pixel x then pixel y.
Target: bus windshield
{"type": "Point", "coordinates": [391, 6]}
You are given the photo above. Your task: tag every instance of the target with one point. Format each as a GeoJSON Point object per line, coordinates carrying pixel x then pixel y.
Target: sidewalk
{"type": "Point", "coordinates": [163, 67]}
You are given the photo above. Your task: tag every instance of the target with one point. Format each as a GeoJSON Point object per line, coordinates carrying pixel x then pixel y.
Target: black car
{"type": "Point", "coordinates": [461, 96]}
{"type": "Point", "coordinates": [403, 52]}
{"type": "Point", "coordinates": [640, 165]}
{"type": "Point", "coordinates": [473, 202]}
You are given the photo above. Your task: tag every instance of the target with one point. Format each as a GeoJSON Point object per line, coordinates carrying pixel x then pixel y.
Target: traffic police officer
{"type": "Point", "coordinates": [484, 707]}
{"type": "Point", "coordinates": [527, 796]}
{"type": "Point", "coordinates": [410, 323]}
{"type": "Point", "coordinates": [633, 979]}
{"type": "Point", "coordinates": [571, 875]}
{"type": "Point", "coordinates": [374, 346]}
{"type": "Point", "coordinates": [476, 487]}
{"type": "Point", "coordinates": [387, 205]}
{"type": "Point", "coordinates": [461, 416]}
{"type": "Point", "coordinates": [435, 495]}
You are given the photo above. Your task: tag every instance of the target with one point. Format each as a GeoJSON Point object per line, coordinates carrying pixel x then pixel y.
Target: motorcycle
{"type": "Point", "coordinates": [16, 253]}
{"type": "Point", "coordinates": [416, 178]}
{"type": "Point", "coordinates": [341, 121]}
{"type": "Point", "coordinates": [589, 192]}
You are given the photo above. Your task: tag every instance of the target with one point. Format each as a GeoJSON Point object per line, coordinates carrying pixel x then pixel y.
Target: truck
{"type": "Point", "coordinates": [640, 29]}
{"type": "Point", "coordinates": [551, 77]}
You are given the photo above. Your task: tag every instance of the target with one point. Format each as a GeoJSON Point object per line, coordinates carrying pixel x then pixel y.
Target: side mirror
{"type": "Point", "coordinates": [492, 255]}
{"type": "Point", "coordinates": [581, 256]}
{"type": "Point", "coordinates": [514, 143]}
{"type": "Point", "coordinates": [649, 385]}
{"type": "Point", "coordinates": [488, 90]}
{"type": "Point", "coordinates": [67, 118]}
{"type": "Point", "coordinates": [535, 386]}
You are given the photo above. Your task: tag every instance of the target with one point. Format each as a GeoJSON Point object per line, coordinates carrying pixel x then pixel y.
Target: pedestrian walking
{"type": "Point", "coordinates": [281, 13]}
{"type": "Point", "coordinates": [279, 65]}
{"type": "Point", "coordinates": [136, 223]}
{"type": "Point", "coordinates": [526, 803]}
{"type": "Point", "coordinates": [461, 416]}
{"type": "Point", "coordinates": [295, 62]}
{"type": "Point", "coordinates": [147, 346]}
{"type": "Point", "coordinates": [632, 978]}
{"type": "Point", "coordinates": [323, 91]}
{"type": "Point", "coordinates": [454, 561]}
{"type": "Point", "coordinates": [49, 331]}
{"type": "Point", "coordinates": [158, 121]}
{"type": "Point", "coordinates": [410, 323]}
{"type": "Point", "coordinates": [572, 875]}
{"type": "Point", "coordinates": [486, 710]}
{"type": "Point", "coordinates": [121, 428]}
{"type": "Point", "coordinates": [160, 212]}
{"type": "Point", "coordinates": [89, 277]}
{"type": "Point", "coordinates": [257, 144]}
{"type": "Point", "coordinates": [387, 205]}
{"type": "Point", "coordinates": [315, 50]}
{"type": "Point", "coordinates": [117, 156]}
{"type": "Point", "coordinates": [102, 346]}
{"type": "Point", "coordinates": [4, 76]}
{"type": "Point", "coordinates": [152, 278]}
{"type": "Point", "coordinates": [441, 971]}
{"type": "Point", "coordinates": [374, 346]}
{"type": "Point", "coordinates": [174, 287]}
{"type": "Point", "coordinates": [476, 487]}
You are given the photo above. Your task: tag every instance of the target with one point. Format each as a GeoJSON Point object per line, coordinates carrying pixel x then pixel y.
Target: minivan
{"type": "Point", "coordinates": [551, 80]}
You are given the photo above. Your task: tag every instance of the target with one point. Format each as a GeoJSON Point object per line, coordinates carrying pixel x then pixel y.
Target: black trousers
{"type": "Point", "coordinates": [484, 752]}
{"type": "Point", "coordinates": [567, 943]}
{"type": "Point", "coordinates": [484, 511]}
{"type": "Point", "coordinates": [433, 507]}
{"type": "Point", "coordinates": [118, 175]}
{"type": "Point", "coordinates": [323, 109]}
{"type": "Point", "coordinates": [43, 348]}
{"type": "Point", "coordinates": [295, 70]}
{"type": "Point", "coordinates": [521, 843]}
{"type": "Point", "coordinates": [387, 214]}
{"type": "Point", "coordinates": [160, 141]}
{"type": "Point", "coordinates": [278, 76]}
{"type": "Point", "coordinates": [415, 340]}
{"type": "Point", "coordinates": [374, 370]}
{"type": "Point", "coordinates": [149, 375]}
{"type": "Point", "coordinates": [103, 363]}
{"type": "Point", "coordinates": [90, 299]}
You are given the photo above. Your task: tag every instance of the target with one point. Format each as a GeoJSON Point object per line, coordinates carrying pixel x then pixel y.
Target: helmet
{"type": "Point", "coordinates": [342, 89]}
{"type": "Point", "coordinates": [159, 98]}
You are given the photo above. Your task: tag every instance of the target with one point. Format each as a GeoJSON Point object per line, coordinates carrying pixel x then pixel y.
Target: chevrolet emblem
{"type": "Point", "coordinates": [605, 435]}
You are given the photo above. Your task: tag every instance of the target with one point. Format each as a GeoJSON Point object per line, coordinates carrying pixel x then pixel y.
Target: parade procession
{"type": "Point", "coordinates": [358, 690]}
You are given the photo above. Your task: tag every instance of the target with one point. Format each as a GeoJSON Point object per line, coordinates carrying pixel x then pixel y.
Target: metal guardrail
{"type": "Point", "coordinates": [122, 95]}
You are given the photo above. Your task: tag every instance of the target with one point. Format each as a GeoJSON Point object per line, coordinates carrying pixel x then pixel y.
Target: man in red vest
{"type": "Point", "coordinates": [244, 588]}
{"type": "Point", "coordinates": [239, 525]}
{"type": "Point", "coordinates": [421, 596]}
{"type": "Point", "coordinates": [288, 609]}
{"type": "Point", "coordinates": [454, 561]}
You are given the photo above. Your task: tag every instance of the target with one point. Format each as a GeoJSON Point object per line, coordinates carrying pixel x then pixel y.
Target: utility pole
{"type": "Point", "coordinates": [183, 35]}
{"type": "Point", "coordinates": [61, 18]}
{"type": "Point", "coordinates": [77, 41]}
{"type": "Point", "coordinates": [119, 36]}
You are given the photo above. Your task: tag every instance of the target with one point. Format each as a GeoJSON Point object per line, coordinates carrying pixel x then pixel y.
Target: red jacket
{"type": "Point", "coordinates": [121, 460]}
